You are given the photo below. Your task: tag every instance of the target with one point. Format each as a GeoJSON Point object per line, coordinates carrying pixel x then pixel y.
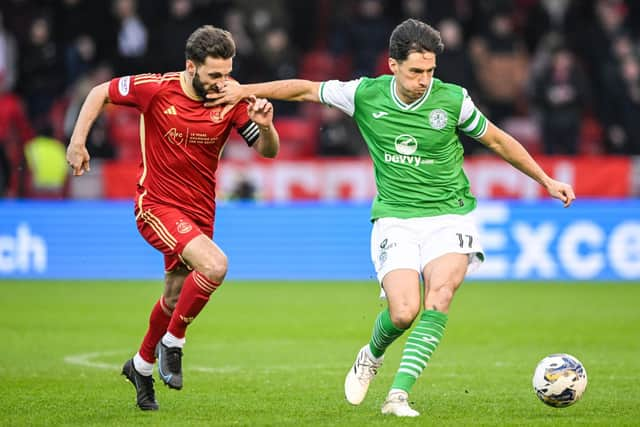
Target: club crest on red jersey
{"type": "Point", "coordinates": [216, 115]}
{"type": "Point", "coordinates": [183, 227]}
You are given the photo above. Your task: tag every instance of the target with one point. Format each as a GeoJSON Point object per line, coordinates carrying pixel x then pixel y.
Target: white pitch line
{"type": "Point", "coordinates": [92, 360]}
{"type": "Point", "coordinates": [86, 359]}
{"type": "Point", "coordinates": [89, 360]}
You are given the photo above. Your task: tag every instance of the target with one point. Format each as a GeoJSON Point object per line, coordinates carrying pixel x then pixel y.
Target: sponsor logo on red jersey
{"type": "Point", "coordinates": [174, 136]}
{"type": "Point", "coordinates": [186, 320]}
{"type": "Point", "coordinates": [123, 85]}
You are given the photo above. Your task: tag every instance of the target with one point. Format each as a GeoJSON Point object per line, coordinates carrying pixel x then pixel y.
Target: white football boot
{"type": "Point", "coordinates": [360, 375]}
{"type": "Point", "coordinates": [397, 404]}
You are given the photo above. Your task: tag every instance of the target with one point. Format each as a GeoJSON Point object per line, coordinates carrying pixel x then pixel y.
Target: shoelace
{"type": "Point", "coordinates": [400, 399]}
{"type": "Point", "coordinates": [401, 403]}
{"type": "Point", "coordinates": [368, 370]}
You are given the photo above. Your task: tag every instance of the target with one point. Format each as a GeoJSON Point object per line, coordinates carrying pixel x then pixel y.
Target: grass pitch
{"type": "Point", "coordinates": [276, 354]}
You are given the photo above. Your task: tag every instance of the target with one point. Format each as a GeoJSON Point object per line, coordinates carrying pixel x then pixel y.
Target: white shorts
{"type": "Point", "coordinates": [412, 243]}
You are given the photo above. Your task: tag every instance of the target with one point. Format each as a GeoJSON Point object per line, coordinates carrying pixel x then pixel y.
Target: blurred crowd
{"type": "Point", "coordinates": [563, 76]}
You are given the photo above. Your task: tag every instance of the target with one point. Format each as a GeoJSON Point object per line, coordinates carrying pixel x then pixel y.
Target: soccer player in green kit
{"type": "Point", "coordinates": [423, 220]}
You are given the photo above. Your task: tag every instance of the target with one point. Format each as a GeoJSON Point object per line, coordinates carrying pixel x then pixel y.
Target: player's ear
{"type": "Point", "coordinates": [393, 65]}
{"type": "Point", "coordinates": [191, 67]}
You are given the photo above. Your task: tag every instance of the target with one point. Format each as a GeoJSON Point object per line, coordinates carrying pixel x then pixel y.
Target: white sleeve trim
{"type": "Point", "coordinates": [467, 107]}
{"type": "Point", "coordinates": [340, 94]}
{"type": "Point", "coordinates": [484, 129]}
{"type": "Point", "coordinates": [473, 124]}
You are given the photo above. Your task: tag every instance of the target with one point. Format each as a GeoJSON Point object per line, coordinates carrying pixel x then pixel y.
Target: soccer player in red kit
{"type": "Point", "coordinates": [181, 143]}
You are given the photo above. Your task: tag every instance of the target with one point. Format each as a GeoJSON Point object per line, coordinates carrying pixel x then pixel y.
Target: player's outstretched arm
{"type": "Point", "coordinates": [77, 154]}
{"type": "Point", "coordinates": [513, 152]}
{"type": "Point", "coordinates": [285, 90]}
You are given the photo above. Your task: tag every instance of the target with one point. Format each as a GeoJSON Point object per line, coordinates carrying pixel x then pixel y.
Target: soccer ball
{"type": "Point", "coordinates": [559, 380]}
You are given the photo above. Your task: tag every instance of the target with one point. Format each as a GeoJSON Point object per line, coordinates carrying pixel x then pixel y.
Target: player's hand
{"type": "Point", "coordinates": [78, 158]}
{"type": "Point", "coordinates": [260, 111]}
{"type": "Point", "coordinates": [230, 93]}
{"type": "Point", "coordinates": [562, 191]}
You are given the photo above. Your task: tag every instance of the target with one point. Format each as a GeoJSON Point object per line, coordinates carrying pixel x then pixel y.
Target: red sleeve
{"type": "Point", "coordinates": [134, 91]}
{"type": "Point", "coordinates": [240, 115]}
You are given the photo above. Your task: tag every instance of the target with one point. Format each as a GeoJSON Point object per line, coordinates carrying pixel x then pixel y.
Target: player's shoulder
{"type": "Point", "coordinates": [157, 79]}
{"type": "Point", "coordinates": [448, 92]}
{"type": "Point", "coordinates": [383, 79]}
{"type": "Point", "coordinates": [368, 84]}
{"type": "Point", "coordinates": [439, 85]}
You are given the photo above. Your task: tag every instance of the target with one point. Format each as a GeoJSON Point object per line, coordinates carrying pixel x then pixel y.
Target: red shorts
{"type": "Point", "coordinates": [169, 230]}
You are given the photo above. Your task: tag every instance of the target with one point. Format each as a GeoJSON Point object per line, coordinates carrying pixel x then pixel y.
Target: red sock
{"type": "Point", "coordinates": [193, 297]}
{"type": "Point", "coordinates": [158, 322]}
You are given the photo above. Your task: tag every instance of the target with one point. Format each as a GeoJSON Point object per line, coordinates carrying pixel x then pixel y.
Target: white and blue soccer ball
{"type": "Point", "coordinates": [559, 380]}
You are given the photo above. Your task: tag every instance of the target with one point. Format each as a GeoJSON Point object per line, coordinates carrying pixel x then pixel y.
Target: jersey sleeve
{"type": "Point", "coordinates": [471, 122]}
{"type": "Point", "coordinates": [340, 94]}
{"type": "Point", "coordinates": [134, 91]}
{"type": "Point", "coordinates": [246, 127]}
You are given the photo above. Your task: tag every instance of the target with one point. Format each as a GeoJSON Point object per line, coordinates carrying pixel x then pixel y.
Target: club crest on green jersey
{"type": "Point", "coordinates": [438, 119]}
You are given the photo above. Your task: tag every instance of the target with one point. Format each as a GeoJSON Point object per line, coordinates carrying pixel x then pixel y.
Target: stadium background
{"type": "Point", "coordinates": [77, 281]}
{"type": "Point", "coordinates": [562, 76]}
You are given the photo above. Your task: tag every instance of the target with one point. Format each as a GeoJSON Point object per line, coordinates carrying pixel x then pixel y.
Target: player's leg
{"type": "Point", "coordinates": [450, 247]}
{"type": "Point", "coordinates": [138, 369]}
{"type": "Point", "coordinates": [169, 231]}
{"type": "Point", "coordinates": [402, 288]}
{"type": "Point", "coordinates": [159, 319]}
{"type": "Point", "coordinates": [443, 276]}
{"type": "Point", "coordinates": [395, 257]}
{"type": "Point", "coordinates": [209, 265]}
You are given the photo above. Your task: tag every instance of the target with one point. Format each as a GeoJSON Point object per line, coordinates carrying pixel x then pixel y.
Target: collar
{"type": "Point", "coordinates": [415, 104]}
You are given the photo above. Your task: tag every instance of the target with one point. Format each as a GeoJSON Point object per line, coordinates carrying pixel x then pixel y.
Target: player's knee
{"type": "Point", "coordinates": [170, 301]}
{"type": "Point", "coordinates": [402, 317]}
{"type": "Point", "coordinates": [215, 269]}
{"type": "Point", "coordinates": [442, 296]}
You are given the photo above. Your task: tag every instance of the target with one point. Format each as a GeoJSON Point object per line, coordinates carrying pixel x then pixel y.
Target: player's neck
{"type": "Point", "coordinates": [400, 94]}
{"type": "Point", "coordinates": [187, 86]}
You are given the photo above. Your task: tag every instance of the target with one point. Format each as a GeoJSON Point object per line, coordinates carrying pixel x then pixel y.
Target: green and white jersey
{"type": "Point", "coordinates": [417, 155]}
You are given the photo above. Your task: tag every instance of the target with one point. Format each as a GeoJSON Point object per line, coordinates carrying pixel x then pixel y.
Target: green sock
{"type": "Point", "coordinates": [421, 343]}
{"type": "Point", "coordinates": [384, 333]}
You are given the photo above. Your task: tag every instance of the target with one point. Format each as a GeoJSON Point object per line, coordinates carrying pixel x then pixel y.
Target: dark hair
{"type": "Point", "coordinates": [209, 41]}
{"type": "Point", "coordinates": [414, 36]}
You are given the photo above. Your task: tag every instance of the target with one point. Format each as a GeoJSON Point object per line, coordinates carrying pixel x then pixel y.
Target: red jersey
{"type": "Point", "coordinates": [181, 141]}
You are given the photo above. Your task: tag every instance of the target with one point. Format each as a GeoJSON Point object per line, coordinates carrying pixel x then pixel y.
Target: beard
{"type": "Point", "coordinates": [201, 91]}
{"type": "Point", "coordinates": [198, 86]}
